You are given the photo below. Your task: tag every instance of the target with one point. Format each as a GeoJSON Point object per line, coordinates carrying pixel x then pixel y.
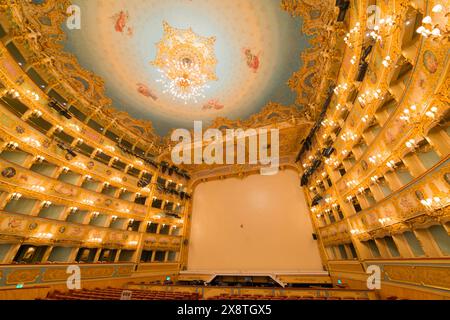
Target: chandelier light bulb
{"type": "Point", "coordinates": [427, 20]}
{"type": "Point", "coordinates": [437, 8]}
{"type": "Point", "coordinates": [436, 32]}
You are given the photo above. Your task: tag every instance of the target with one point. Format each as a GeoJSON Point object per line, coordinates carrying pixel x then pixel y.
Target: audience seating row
{"type": "Point", "coordinates": [263, 297]}
{"type": "Point", "coordinates": [116, 294]}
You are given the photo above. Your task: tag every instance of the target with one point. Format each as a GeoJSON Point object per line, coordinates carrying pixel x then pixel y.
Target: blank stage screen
{"type": "Point", "coordinates": [258, 224]}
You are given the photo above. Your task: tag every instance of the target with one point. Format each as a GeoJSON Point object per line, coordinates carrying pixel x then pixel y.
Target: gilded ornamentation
{"type": "Point", "coordinates": [124, 271]}
{"type": "Point", "coordinates": [93, 272]}
{"type": "Point", "coordinates": [22, 276]}
{"type": "Point", "coordinates": [186, 62]}
{"type": "Point", "coordinates": [437, 277]}
{"type": "Point", "coordinates": [54, 275]}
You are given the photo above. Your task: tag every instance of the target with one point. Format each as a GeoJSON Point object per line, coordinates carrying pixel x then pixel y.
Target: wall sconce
{"type": "Point", "coordinates": [38, 188]}
{"type": "Point", "coordinates": [36, 113]}
{"type": "Point", "coordinates": [352, 183]}
{"type": "Point", "coordinates": [370, 96]}
{"type": "Point", "coordinates": [435, 203]}
{"type": "Point", "coordinates": [332, 162]}
{"type": "Point", "coordinates": [73, 209]}
{"type": "Point", "coordinates": [430, 29]}
{"type": "Point", "coordinates": [375, 179]}
{"type": "Point", "coordinates": [13, 93]}
{"type": "Point", "coordinates": [110, 148]}
{"type": "Point", "coordinates": [432, 113]}
{"type": "Point", "coordinates": [65, 169]}
{"type": "Point", "coordinates": [391, 164]}
{"type": "Point", "coordinates": [59, 128]}
{"type": "Point", "coordinates": [33, 95]}
{"type": "Point", "coordinates": [341, 88]}
{"type": "Point", "coordinates": [46, 204]}
{"type": "Point", "coordinates": [410, 115]}
{"type": "Point", "coordinates": [39, 159]}
{"type": "Point", "coordinates": [349, 136]}
{"type": "Point", "coordinates": [74, 127]}
{"type": "Point", "coordinates": [375, 159]}
{"type": "Point", "coordinates": [44, 235]}
{"type": "Point", "coordinates": [31, 141]}
{"type": "Point", "coordinates": [340, 107]}
{"type": "Point", "coordinates": [411, 144]}
{"type": "Point", "coordinates": [16, 196]}
{"type": "Point", "coordinates": [80, 165]}
{"type": "Point", "coordinates": [382, 29]}
{"type": "Point", "coordinates": [328, 123]}
{"type": "Point", "coordinates": [386, 61]}
{"type": "Point", "coordinates": [88, 202]}
{"type": "Point", "coordinates": [352, 36]}
{"type": "Point", "coordinates": [12, 145]}
{"type": "Point", "coordinates": [384, 221]}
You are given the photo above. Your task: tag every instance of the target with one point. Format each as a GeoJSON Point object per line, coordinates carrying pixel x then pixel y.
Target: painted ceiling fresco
{"type": "Point", "coordinates": [257, 48]}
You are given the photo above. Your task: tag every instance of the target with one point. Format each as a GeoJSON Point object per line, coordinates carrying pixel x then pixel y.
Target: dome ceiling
{"type": "Point", "coordinates": [254, 48]}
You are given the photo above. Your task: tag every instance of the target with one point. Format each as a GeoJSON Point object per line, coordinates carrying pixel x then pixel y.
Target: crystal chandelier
{"type": "Point", "coordinates": [183, 80]}
{"type": "Point", "coordinates": [186, 63]}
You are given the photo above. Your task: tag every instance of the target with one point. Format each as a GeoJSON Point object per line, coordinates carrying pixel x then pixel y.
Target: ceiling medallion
{"type": "Point", "coordinates": [187, 63]}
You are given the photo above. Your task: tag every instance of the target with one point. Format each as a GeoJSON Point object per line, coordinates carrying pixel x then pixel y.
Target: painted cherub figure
{"type": "Point", "coordinates": [253, 60]}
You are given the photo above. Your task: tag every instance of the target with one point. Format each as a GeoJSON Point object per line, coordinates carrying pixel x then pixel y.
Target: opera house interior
{"type": "Point", "coordinates": [224, 150]}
